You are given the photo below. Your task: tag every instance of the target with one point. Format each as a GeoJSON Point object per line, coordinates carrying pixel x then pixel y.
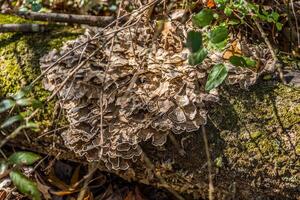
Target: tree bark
{"type": "Point", "coordinates": [254, 135]}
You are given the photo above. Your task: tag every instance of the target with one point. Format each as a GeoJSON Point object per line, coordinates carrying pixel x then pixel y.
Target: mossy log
{"type": "Point", "coordinates": [254, 135]}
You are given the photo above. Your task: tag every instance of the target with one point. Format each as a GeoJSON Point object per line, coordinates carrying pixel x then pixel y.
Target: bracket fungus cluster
{"type": "Point", "coordinates": [132, 86]}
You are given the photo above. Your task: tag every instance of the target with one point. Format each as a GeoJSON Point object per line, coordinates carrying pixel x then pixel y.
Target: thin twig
{"type": "Point", "coordinates": [92, 169]}
{"type": "Point", "coordinates": [3, 154]}
{"type": "Point", "coordinates": [16, 132]}
{"type": "Point", "coordinates": [209, 165]}
{"type": "Point", "coordinates": [104, 79]}
{"type": "Point", "coordinates": [180, 150]}
{"type": "Point", "coordinates": [296, 22]}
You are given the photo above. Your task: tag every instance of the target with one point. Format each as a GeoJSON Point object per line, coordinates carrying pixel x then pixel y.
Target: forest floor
{"type": "Point", "coordinates": [61, 179]}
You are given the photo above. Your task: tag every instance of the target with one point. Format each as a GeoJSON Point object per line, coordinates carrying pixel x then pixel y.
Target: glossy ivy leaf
{"type": "Point", "coordinates": [203, 18]}
{"type": "Point", "coordinates": [220, 45]}
{"type": "Point", "coordinates": [25, 185]}
{"type": "Point", "coordinates": [11, 121]}
{"type": "Point", "coordinates": [23, 158]}
{"type": "Point", "coordinates": [6, 104]}
{"type": "Point", "coordinates": [216, 77]}
{"type": "Point", "coordinates": [194, 41]}
{"type": "Point", "coordinates": [218, 34]}
{"type": "Point", "coordinates": [197, 57]}
{"type": "Point", "coordinates": [238, 61]}
{"type": "Point", "coordinates": [22, 92]}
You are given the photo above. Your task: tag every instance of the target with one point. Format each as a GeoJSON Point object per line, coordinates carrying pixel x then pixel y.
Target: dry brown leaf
{"type": "Point", "coordinates": [2, 194]}
{"type": "Point", "coordinates": [130, 196]}
{"type": "Point", "coordinates": [52, 178]}
{"type": "Point", "coordinates": [42, 187]}
{"type": "Point", "coordinates": [75, 176]}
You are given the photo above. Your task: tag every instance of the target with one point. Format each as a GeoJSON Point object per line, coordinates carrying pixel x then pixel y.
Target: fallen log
{"type": "Point", "coordinates": [253, 135]}
{"type": "Point", "coordinates": [22, 28]}
{"type": "Point", "coordinates": [64, 18]}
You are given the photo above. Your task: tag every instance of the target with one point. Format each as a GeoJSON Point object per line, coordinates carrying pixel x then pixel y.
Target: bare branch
{"type": "Point", "coordinates": [22, 28]}
{"type": "Point", "coordinates": [66, 18]}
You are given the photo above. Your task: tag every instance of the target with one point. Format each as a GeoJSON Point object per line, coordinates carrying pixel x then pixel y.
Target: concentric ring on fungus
{"type": "Point", "coordinates": [149, 90]}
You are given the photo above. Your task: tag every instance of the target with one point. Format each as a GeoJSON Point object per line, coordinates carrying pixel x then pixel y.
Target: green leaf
{"type": "Point", "coordinates": [216, 77]}
{"type": "Point", "coordinates": [203, 18]}
{"type": "Point", "coordinates": [36, 7]}
{"type": "Point", "coordinates": [238, 61]}
{"type": "Point", "coordinates": [250, 62]}
{"type": "Point", "coordinates": [32, 125]}
{"type": "Point", "coordinates": [22, 92]}
{"type": "Point", "coordinates": [218, 34]}
{"type": "Point", "coordinates": [242, 61]}
{"type": "Point", "coordinates": [25, 185]}
{"type": "Point", "coordinates": [194, 41]}
{"type": "Point", "coordinates": [220, 45]}
{"type": "Point", "coordinates": [6, 104]}
{"type": "Point", "coordinates": [275, 16]}
{"type": "Point", "coordinates": [279, 26]}
{"type": "Point", "coordinates": [228, 11]}
{"type": "Point", "coordinates": [11, 120]}
{"type": "Point", "coordinates": [23, 9]}
{"type": "Point", "coordinates": [234, 22]}
{"type": "Point", "coordinates": [29, 101]}
{"type": "Point", "coordinates": [23, 158]}
{"type": "Point", "coordinates": [216, 15]}
{"type": "Point", "coordinates": [24, 102]}
{"type": "Point", "coordinates": [197, 57]}
{"type": "Point", "coordinates": [253, 7]}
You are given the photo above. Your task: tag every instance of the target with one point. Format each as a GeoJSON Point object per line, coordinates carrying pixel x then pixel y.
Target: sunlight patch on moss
{"type": "Point", "coordinates": [19, 60]}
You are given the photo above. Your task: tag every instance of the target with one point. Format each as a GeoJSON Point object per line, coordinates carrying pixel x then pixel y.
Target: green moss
{"type": "Point", "coordinates": [256, 135]}
{"type": "Point", "coordinates": [11, 19]}
{"type": "Point", "coordinates": [19, 60]}
{"type": "Point", "coordinates": [261, 132]}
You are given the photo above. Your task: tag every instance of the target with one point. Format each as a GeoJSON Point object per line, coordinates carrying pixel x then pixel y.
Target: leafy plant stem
{"type": "Point", "coordinates": [268, 43]}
